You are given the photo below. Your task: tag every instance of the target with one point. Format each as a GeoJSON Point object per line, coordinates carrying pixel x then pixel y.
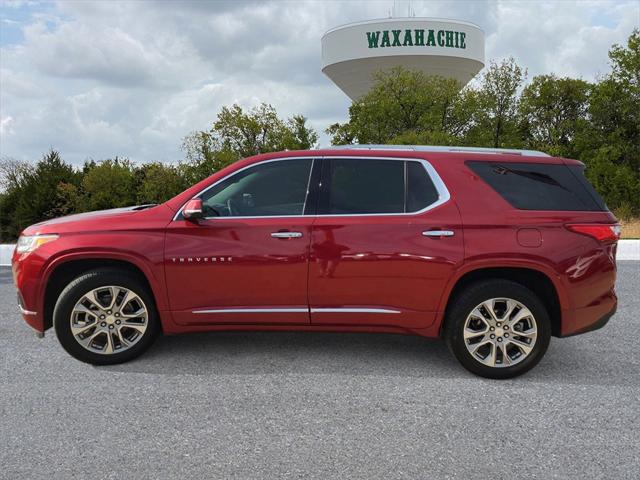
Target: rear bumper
{"type": "Point", "coordinates": [599, 323]}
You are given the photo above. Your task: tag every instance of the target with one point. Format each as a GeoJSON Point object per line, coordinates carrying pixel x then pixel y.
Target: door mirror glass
{"type": "Point", "coordinates": [193, 209]}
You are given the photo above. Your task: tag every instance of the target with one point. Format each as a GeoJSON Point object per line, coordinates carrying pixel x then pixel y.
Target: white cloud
{"type": "Point", "coordinates": [98, 79]}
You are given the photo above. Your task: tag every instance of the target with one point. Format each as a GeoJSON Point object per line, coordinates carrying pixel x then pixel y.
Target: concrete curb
{"type": "Point", "coordinates": [627, 250]}
{"type": "Point", "coordinates": [6, 250]}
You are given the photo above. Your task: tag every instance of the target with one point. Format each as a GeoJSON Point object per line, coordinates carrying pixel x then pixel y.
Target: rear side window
{"type": "Point", "coordinates": [357, 186]}
{"type": "Point", "coordinates": [535, 186]}
{"type": "Point", "coordinates": [421, 192]}
{"type": "Point", "coordinates": [364, 186]}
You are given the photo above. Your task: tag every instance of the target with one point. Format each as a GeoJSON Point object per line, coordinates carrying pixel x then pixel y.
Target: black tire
{"type": "Point", "coordinates": [87, 282]}
{"type": "Point", "coordinates": [475, 294]}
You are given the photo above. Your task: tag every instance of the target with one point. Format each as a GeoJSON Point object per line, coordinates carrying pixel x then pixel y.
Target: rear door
{"type": "Point", "coordinates": [385, 241]}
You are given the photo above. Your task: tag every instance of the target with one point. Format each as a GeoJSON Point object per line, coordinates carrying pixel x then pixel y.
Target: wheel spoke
{"type": "Point", "coordinates": [511, 306]}
{"type": "Point", "coordinates": [525, 348]}
{"type": "Point", "coordinates": [139, 313]}
{"type": "Point", "coordinates": [469, 333]}
{"type": "Point", "coordinates": [532, 332]}
{"type": "Point", "coordinates": [79, 330]}
{"type": "Point", "coordinates": [490, 359]}
{"type": "Point", "coordinates": [123, 341]}
{"type": "Point", "coordinates": [81, 308]}
{"type": "Point", "coordinates": [136, 326]}
{"type": "Point", "coordinates": [479, 345]}
{"type": "Point", "coordinates": [125, 299]}
{"type": "Point", "coordinates": [86, 342]}
{"type": "Point", "coordinates": [488, 306]}
{"type": "Point", "coordinates": [506, 360]}
{"type": "Point", "coordinates": [115, 291]}
{"type": "Point", "coordinates": [521, 315]}
{"type": "Point", "coordinates": [108, 347]}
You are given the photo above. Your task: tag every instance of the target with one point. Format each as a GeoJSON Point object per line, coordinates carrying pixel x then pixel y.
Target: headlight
{"type": "Point", "coordinates": [31, 242]}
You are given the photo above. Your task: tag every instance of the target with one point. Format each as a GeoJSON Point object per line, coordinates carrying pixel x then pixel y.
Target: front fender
{"type": "Point", "coordinates": [153, 272]}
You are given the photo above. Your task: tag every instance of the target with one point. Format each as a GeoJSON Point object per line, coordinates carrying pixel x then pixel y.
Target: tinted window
{"type": "Point", "coordinates": [367, 186]}
{"type": "Point", "coordinates": [358, 186]}
{"type": "Point", "coordinates": [421, 192]}
{"type": "Point", "coordinates": [532, 186]}
{"type": "Point", "coordinates": [578, 172]}
{"type": "Point", "coordinates": [270, 189]}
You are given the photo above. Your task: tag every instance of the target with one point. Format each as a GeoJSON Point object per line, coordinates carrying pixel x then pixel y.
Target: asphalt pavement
{"type": "Point", "coordinates": [299, 405]}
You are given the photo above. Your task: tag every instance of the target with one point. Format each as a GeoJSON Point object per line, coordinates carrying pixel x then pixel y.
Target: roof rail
{"type": "Point", "coordinates": [441, 148]}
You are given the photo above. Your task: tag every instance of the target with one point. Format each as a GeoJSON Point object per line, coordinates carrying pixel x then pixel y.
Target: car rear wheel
{"type": "Point", "coordinates": [498, 329]}
{"type": "Point", "coordinates": [105, 316]}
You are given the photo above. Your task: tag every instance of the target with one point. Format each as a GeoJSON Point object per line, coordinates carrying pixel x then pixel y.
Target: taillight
{"type": "Point", "coordinates": [602, 233]}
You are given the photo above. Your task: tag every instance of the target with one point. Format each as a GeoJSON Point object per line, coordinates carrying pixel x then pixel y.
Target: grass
{"type": "Point", "coordinates": [630, 228]}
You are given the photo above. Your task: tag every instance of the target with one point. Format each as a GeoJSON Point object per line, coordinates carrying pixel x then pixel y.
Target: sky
{"type": "Point", "coordinates": [99, 79]}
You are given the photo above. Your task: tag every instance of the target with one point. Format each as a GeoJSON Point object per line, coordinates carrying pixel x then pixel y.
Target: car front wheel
{"type": "Point", "coordinates": [105, 316]}
{"type": "Point", "coordinates": [498, 329]}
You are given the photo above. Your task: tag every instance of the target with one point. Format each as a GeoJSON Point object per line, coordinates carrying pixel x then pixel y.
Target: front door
{"type": "Point", "coordinates": [247, 261]}
{"type": "Point", "coordinates": [385, 241]}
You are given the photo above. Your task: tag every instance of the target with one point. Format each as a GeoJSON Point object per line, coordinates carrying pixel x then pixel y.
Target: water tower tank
{"type": "Point", "coordinates": [353, 53]}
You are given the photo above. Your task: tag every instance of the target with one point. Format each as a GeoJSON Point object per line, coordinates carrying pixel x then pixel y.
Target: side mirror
{"type": "Point", "coordinates": [193, 210]}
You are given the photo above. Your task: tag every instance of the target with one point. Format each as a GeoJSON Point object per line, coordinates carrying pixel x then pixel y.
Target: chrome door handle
{"type": "Point", "coordinates": [438, 233]}
{"type": "Point", "coordinates": [286, 234]}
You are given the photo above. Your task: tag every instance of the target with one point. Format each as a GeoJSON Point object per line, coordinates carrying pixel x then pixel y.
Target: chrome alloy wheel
{"type": "Point", "coordinates": [109, 320]}
{"type": "Point", "coordinates": [500, 332]}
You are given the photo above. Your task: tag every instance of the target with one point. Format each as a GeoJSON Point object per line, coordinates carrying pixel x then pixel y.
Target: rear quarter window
{"type": "Point", "coordinates": [537, 186]}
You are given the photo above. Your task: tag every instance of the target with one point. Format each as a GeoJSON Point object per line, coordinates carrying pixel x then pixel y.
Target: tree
{"type": "Point", "coordinates": [109, 184]}
{"type": "Point", "coordinates": [552, 112]}
{"type": "Point", "coordinates": [33, 196]}
{"type": "Point", "coordinates": [238, 134]}
{"type": "Point", "coordinates": [610, 142]}
{"type": "Point", "coordinates": [406, 104]}
{"type": "Point", "coordinates": [498, 105]}
{"type": "Point", "coordinates": [13, 173]}
{"type": "Point", "coordinates": [158, 183]}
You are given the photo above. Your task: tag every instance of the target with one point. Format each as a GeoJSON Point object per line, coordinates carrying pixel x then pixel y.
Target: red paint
{"type": "Point", "coordinates": [380, 262]}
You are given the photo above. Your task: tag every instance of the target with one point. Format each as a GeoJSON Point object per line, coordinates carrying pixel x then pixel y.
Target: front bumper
{"type": "Point", "coordinates": [26, 278]}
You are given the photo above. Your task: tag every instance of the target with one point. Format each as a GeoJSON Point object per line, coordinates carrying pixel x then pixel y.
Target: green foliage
{"type": "Point", "coordinates": [32, 194]}
{"type": "Point", "coordinates": [553, 111]}
{"type": "Point", "coordinates": [405, 102]}
{"type": "Point", "coordinates": [609, 143]}
{"type": "Point", "coordinates": [109, 184]}
{"type": "Point", "coordinates": [158, 182]}
{"type": "Point", "coordinates": [498, 105]}
{"type": "Point", "coordinates": [238, 134]}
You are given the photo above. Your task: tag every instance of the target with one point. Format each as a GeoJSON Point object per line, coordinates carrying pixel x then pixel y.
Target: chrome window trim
{"type": "Point", "coordinates": [441, 188]}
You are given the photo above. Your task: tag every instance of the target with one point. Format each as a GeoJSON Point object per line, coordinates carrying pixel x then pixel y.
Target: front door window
{"type": "Point", "coordinates": [265, 190]}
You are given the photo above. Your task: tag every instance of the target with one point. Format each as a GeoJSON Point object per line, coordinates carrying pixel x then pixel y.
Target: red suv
{"type": "Point", "coordinates": [493, 250]}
